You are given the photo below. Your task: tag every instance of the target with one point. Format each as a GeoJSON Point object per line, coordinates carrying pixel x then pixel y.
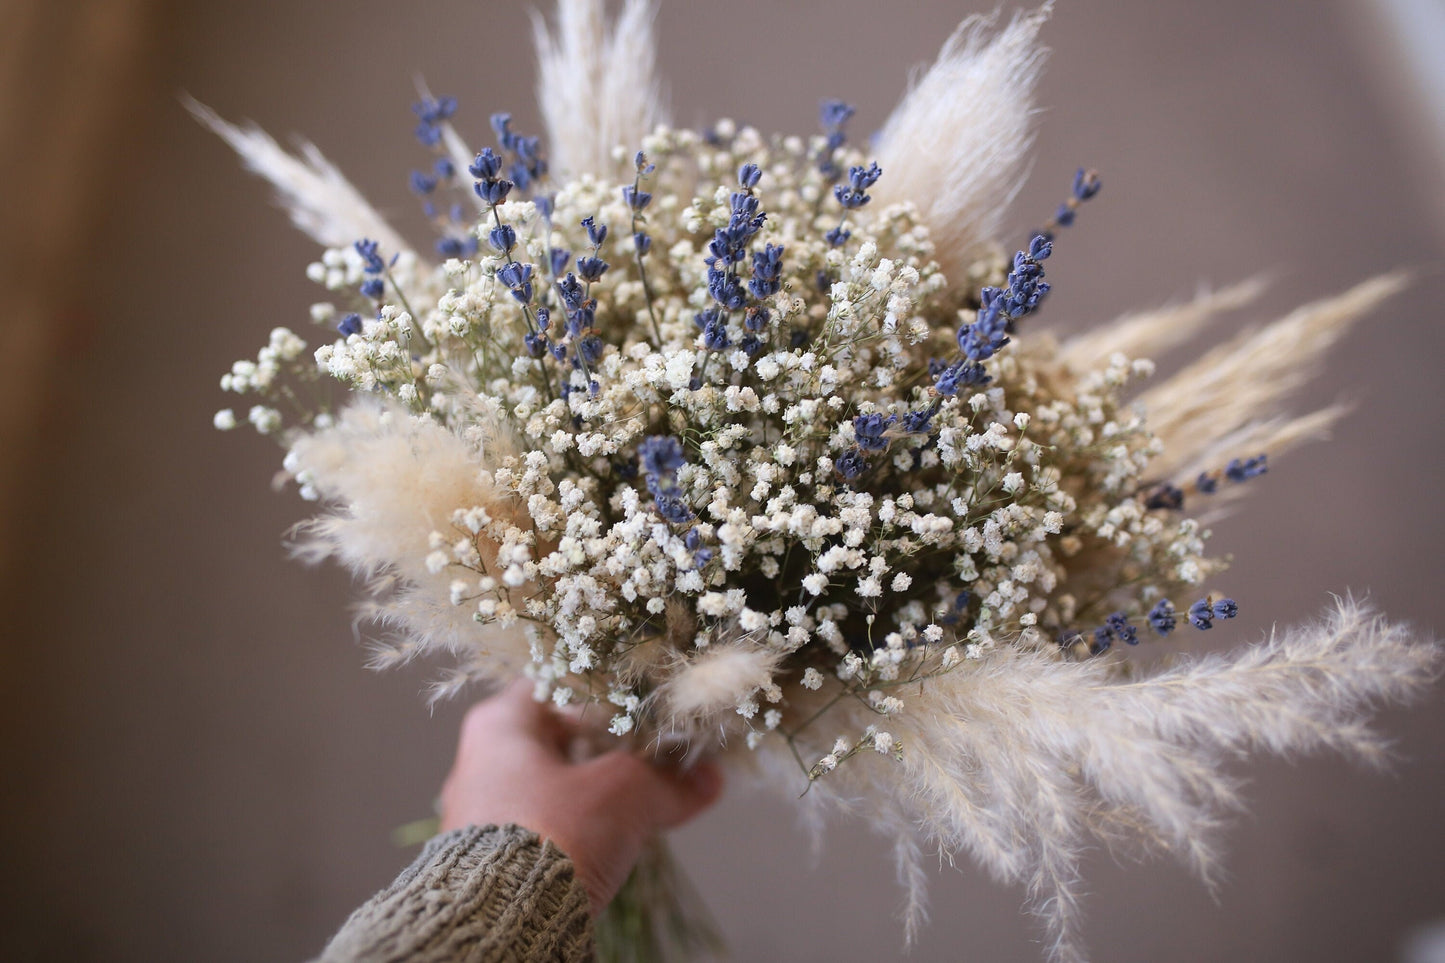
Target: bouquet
{"type": "Point", "coordinates": [750, 447]}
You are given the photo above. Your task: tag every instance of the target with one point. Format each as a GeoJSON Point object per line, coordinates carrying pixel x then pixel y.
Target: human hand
{"type": "Point", "coordinates": [513, 766]}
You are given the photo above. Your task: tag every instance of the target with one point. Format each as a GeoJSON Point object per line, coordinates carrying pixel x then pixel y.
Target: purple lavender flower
{"type": "Point", "coordinates": [1161, 617]}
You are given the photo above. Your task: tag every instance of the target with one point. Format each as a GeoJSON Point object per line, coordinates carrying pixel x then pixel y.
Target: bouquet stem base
{"type": "Point", "coordinates": [657, 916]}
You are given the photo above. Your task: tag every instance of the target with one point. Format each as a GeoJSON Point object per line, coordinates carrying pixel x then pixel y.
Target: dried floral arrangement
{"type": "Point", "coordinates": [748, 441]}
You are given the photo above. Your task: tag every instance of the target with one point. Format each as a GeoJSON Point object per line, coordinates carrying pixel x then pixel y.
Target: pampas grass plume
{"type": "Point", "coordinates": [955, 144]}
{"type": "Point", "coordinates": [321, 201]}
{"type": "Point", "coordinates": [1024, 759]}
{"type": "Point", "coordinates": [1246, 378]}
{"type": "Point", "coordinates": [391, 479]}
{"type": "Point", "coordinates": [712, 683]}
{"type": "Point", "coordinates": [596, 83]}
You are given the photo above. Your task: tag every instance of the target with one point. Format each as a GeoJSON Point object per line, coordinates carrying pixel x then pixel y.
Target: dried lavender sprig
{"type": "Point", "coordinates": [493, 190]}
{"type": "Point", "coordinates": [1166, 495]}
{"type": "Point", "coordinates": [728, 248]}
{"type": "Point", "coordinates": [434, 113]}
{"type": "Point", "coordinates": [833, 115]}
{"type": "Point", "coordinates": [431, 113]}
{"type": "Point", "coordinates": [378, 272]}
{"type": "Point", "coordinates": [529, 167]}
{"type": "Point", "coordinates": [637, 200]}
{"type": "Point", "coordinates": [588, 348]}
{"type": "Point", "coordinates": [1162, 618]}
{"type": "Point", "coordinates": [1086, 185]}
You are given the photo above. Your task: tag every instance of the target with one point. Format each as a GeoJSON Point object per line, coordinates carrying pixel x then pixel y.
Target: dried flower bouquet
{"type": "Point", "coordinates": [749, 442]}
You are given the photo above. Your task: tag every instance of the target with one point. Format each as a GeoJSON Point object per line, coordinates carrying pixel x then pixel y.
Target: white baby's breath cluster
{"type": "Point", "coordinates": [761, 466]}
{"type": "Point", "coordinates": [785, 580]}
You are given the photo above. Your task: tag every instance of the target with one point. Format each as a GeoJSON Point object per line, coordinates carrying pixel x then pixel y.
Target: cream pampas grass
{"type": "Point", "coordinates": [392, 480]}
{"type": "Point", "coordinates": [707, 688]}
{"type": "Point", "coordinates": [596, 83]}
{"type": "Point", "coordinates": [1149, 334]}
{"type": "Point", "coordinates": [1023, 759]}
{"type": "Point", "coordinates": [1245, 379]}
{"type": "Point", "coordinates": [319, 198]}
{"type": "Point", "coordinates": [955, 145]}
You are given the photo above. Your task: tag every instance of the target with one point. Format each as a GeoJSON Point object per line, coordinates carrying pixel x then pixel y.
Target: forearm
{"type": "Point", "coordinates": [487, 894]}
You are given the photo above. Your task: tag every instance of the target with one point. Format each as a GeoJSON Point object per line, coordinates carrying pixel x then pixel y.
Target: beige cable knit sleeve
{"type": "Point", "coordinates": [491, 894]}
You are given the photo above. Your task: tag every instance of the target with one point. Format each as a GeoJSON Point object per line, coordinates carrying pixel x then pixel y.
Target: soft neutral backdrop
{"type": "Point", "coordinates": [196, 764]}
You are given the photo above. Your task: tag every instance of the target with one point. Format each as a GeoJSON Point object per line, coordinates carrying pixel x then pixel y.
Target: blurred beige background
{"type": "Point", "coordinates": [196, 764]}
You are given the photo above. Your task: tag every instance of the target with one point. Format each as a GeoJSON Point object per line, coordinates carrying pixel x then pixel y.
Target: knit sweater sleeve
{"type": "Point", "coordinates": [491, 894]}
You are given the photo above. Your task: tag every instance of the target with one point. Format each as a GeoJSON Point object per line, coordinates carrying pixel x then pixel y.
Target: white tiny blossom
{"type": "Point", "coordinates": [885, 704]}
{"type": "Point", "coordinates": [266, 420]}
{"type": "Point", "coordinates": [715, 604]}
{"type": "Point", "coordinates": [751, 621]}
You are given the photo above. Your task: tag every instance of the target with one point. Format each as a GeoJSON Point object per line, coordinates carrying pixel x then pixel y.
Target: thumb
{"type": "Point", "coordinates": [668, 796]}
{"type": "Point", "coordinates": [687, 793]}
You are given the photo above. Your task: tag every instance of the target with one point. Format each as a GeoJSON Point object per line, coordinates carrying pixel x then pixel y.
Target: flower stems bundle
{"type": "Point", "coordinates": [750, 445]}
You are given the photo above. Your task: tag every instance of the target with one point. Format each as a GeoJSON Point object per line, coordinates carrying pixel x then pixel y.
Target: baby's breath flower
{"type": "Point", "coordinates": [266, 420]}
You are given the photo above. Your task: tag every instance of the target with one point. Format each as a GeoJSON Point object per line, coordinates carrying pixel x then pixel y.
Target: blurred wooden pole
{"type": "Point", "coordinates": [73, 77]}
